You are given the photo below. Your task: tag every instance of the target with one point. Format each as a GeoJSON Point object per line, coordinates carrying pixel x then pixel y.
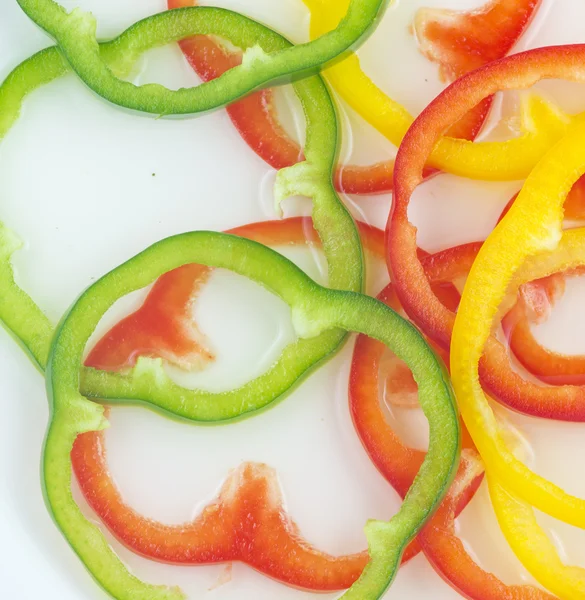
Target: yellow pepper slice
{"type": "Point", "coordinates": [509, 160]}
{"type": "Point", "coordinates": [533, 225]}
{"type": "Point", "coordinates": [532, 546]}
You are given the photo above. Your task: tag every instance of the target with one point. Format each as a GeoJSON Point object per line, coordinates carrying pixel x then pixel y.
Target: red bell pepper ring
{"type": "Point", "coordinates": [398, 464]}
{"type": "Point", "coordinates": [409, 275]}
{"type": "Point", "coordinates": [248, 521]}
{"type": "Point", "coordinates": [255, 118]}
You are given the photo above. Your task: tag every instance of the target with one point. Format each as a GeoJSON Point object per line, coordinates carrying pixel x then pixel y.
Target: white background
{"type": "Point", "coordinates": [76, 182]}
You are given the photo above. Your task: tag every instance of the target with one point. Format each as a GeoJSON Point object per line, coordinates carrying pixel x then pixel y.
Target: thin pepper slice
{"type": "Point", "coordinates": [314, 309]}
{"type": "Point", "coordinates": [147, 382]}
{"type": "Point", "coordinates": [518, 71]}
{"type": "Point", "coordinates": [461, 41]}
{"type": "Point", "coordinates": [508, 160]}
{"type": "Point", "coordinates": [75, 33]}
{"type": "Point", "coordinates": [534, 306]}
{"type": "Point", "coordinates": [255, 118]}
{"type": "Point", "coordinates": [533, 225]}
{"type": "Point", "coordinates": [398, 463]}
{"type": "Point", "coordinates": [411, 277]}
{"type": "Point", "coordinates": [248, 521]}
{"type": "Point", "coordinates": [535, 301]}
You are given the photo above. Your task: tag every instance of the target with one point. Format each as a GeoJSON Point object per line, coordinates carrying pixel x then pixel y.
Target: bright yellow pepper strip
{"type": "Point", "coordinates": [509, 160]}
{"type": "Point", "coordinates": [532, 226]}
{"type": "Point", "coordinates": [534, 549]}
{"type": "Point", "coordinates": [516, 517]}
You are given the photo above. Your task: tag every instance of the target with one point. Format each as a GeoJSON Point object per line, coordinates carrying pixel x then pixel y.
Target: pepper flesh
{"type": "Point", "coordinates": [536, 301]}
{"type": "Point", "coordinates": [398, 463]}
{"type": "Point", "coordinates": [409, 275]}
{"type": "Point", "coordinates": [508, 160]}
{"type": "Point", "coordinates": [248, 524]}
{"type": "Point", "coordinates": [75, 33]}
{"type": "Point", "coordinates": [532, 226]}
{"type": "Point", "coordinates": [314, 309]}
{"type": "Point", "coordinates": [147, 381]}
{"type": "Point", "coordinates": [255, 118]}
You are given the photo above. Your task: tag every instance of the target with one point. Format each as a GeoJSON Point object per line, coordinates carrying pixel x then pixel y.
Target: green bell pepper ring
{"type": "Point", "coordinates": [314, 310]}
{"type": "Point", "coordinates": [75, 32]}
{"type": "Point", "coordinates": [148, 382]}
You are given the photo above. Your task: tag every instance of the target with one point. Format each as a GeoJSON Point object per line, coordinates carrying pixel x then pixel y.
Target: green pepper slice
{"type": "Point", "coordinates": [314, 310]}
{"type": "Point", "coordinates": [148, 381]}
{"type": "Point", "coordinates": [75, 32]}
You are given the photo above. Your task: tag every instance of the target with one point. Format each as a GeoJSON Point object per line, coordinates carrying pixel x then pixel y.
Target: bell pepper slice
{"type": "Point", "coordinates": [534, 306]}
{"type": "Point", "coordinates": [509, 160]}
{"type": "Point", "coordinates": [248, 522]}
{"type": "Point", "coordinates": [411, 277]}
{"type": "Point", "coordinates": [75, 33]}
{"type": "Point", "coordinates": [256, 121]}
{"type": "Point", "coordinates": [461, 41]}
{"type": "Point", "coordinates": [499, 379]}
{"type": "Point", "coordinates": [314, 309]}
{"type": "Point", "coordinates": [533, 225]}
{"type": "Point", "coordinates": [147, 381]}
{"type": "Point", "coordinates": [398, 463]}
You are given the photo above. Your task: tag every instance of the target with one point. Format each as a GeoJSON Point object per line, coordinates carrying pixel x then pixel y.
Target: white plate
{"type": "Point", "coordinates": [87, 185]}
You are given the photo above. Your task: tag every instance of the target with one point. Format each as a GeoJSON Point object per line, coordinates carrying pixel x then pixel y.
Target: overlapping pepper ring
{"type": "Point", "coordinates": [408, 274]}
{"type": "Point", "coordinates": [148, 381]}
{"type": "Point", "coordinates": [533, 224]}
{"type": "Point", "coordinates": [508, 160]}
{"type": "Point", "coordinates": [314, 309]}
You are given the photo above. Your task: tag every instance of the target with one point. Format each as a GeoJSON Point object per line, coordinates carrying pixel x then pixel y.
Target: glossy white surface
{"type": "Point", "coordinates": [87, 185]}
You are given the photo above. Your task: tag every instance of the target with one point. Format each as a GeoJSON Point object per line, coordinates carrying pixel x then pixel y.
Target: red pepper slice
{"type": "Point", "coordinates": [398, 464]}
{"type": "Point", "coordinates": [411, 277]}
{"type": "Point", "coordinates": [463, 41]}
{"type": "Point", "coordinates": [255, 119]}
{"type": "Point", "coordinates": [247, 522]}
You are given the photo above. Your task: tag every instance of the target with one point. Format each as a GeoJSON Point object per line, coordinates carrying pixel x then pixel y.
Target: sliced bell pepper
{"type": "Point", "coordinates": [255, 118]}
{"type": "Point", "coordinates": [314, 309]}
{"type": "Point", "coordinates": [263, 63]}
{"type": "Point", "coordinates": [411, 278]}
{"type": "Point", "coordinates": [249, 523]}
{"type": "Point", "coordinates": [398, 463]}
{"type": "Point", "coordinates": [461, 41]}
{"type": "Point", "coordinates": [147, 381]}
{"type": "Point", "coordinates": [534, 306]}
{"type": "Point", "coordinates": [508, 160]}
{"type": "Point", "coordinates": [532, 226]}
